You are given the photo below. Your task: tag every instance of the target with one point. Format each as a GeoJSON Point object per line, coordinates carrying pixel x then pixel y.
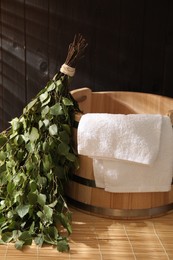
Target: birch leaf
{"type": "Point", "coordinates": [34, 135]}
{"type": "Point", "coordinates": [53, 129]}
{"type": "Point", "coordinates": [22, 210]}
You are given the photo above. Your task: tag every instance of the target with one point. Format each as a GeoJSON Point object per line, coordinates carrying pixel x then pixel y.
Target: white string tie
{"type": "Point", "coordinates": [67, 70]}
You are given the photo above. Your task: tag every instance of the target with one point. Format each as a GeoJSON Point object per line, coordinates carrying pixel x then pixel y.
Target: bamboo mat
{"type": "Point", "coordinates": [98, 238]}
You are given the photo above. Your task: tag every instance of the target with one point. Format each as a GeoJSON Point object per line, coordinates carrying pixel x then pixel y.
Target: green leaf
{"type": "Point", "coordinates": [46, 102]}
{"type": "Point", "coordinates": [3, 168]}
{"type": "Point", "coordinates": [46, 122]}
{"type": "Point", "coordinates": [49, 240]}
{"type": "Point", "coordinates": [30, 105]}
{"type": "Point", "coordinates": [25, 236]}
{"type": "Point", "coordinates": [8, 147]}
{"type": "Point", "coordinates": [45, 111]}
{"type": "Point", "coordinates": [40, 214]}
{"type": "Point", "coordinates": [41, 199]}
{"type": "Point", "coordinates": [10, 188]}
{"type": "Point", "coordinates": [64, 137]}
{"type": "Point", "coordinates": [47, 162]}
{"type": "Point", "coordinates": [30, 147]}
{"type": "Point", "coordinates": [32, 198]}
{"type": "Point", "coordinates": [48, 212]}
{"type": "Point", "coordinates": [51, 231]}
{"type": "Point", "coordinates": [59, 85]}
{"type": "Point", "coordinates": [32, 228]}
{"type": "Point", "coordinates": [13, 135]}
{"type": "Point", "coordinates": [10, 214]}
{"type": "Point", "coordinates": [63, 149]}
{"type": "Point", "coordinates": [19, 244]}
{"type": "Point", "coordinates": [43, 97]}
{"type": "Point", "coordinates": [18, 197]}
{"type": "Point", "coordinates": [56, 110]}
{"type": "Point", "coordinates": [15, 124]}
{"type": "Point", "coordinates": [26, 136]}
{"type": "Point", "coordinates": [51, 87]}
{"type": "Point", "coordinates": [46, 146]}
{"type": "Point", "coordinates": [71, 157]}
{"type": "Point", "coordinates": [24, 122]}
{"type": "Point", "coordinates": [18, 140]}
{"type": "Point", "coordinates": [29, 165]}
{"type": "Point", "coordinates": [40, 124]}
{"type": "Point", "coordinates": [20, 155]}
{"type": "Point", "coordinates": [62, 246]}
{"type": "Point", "coordinates": [65, 222]}
{"type": "Point", "coordinates": [42, 181]}
{"type": "Point", "coordinates": [33, 185]}
{"type": "Point", "coordinates": [67, 102]}
{"type": "Point", "coordinates": [50, 235]}
{"type": "Point", "coordinates": [53, 129]}
{"type": "Point", "coordinates": [39, 240]}
{"type": "Point", "coordinates": [2, 220]}
{"type": "Point", "coordinates": [7, 237]}
{"type": "Point", "coordinates": [53, 204]}
{"type": "Point", "coordinates": [22, 210]}
{"type": "Point", "coordinates": [3, 155]}
{"type": "Point", "coordinates": [66, 128]}
{"type": "Point", "coordinates": [34, 135]}
{"type": "Point", "coordinates": [13, 225]}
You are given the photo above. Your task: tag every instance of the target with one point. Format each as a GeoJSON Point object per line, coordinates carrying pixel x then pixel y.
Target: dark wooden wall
{"type": "Point", "coordinates": [130, 47]}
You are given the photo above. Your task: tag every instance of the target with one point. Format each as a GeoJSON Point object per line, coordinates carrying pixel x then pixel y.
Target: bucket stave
{"type": "Point", "coordinates": [81, 190]}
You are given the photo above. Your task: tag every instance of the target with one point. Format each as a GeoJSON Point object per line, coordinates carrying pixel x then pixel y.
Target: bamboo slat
{"type": "Point", "coordinates": [102, 239]}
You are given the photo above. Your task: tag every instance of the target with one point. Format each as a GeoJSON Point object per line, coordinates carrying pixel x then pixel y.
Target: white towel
{"type": "Point", "coordinates": [152, 174]}
{"type": "Point", "coordinates": [124, 176]}
{"type": "Point", "coordinates": [134, 137]}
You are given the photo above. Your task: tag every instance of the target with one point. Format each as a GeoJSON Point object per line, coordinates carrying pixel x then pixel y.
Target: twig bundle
{"type": "Point", "coordinates": [36, 156]}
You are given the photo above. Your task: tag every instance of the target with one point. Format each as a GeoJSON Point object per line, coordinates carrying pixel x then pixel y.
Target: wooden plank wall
{"type": "Point", "coordinates": [130, 47]}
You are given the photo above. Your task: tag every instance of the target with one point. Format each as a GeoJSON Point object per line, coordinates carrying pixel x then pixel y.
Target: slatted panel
{"type": "Point", "coordinates": [67, 18]}
{"type": "Point", "coordinates": [168, 63]}
{"type": "Point", "coordinates": [154, 32]}
{"type": "Point", "coordinates": [130, 47]}
{"type": "Point", "coordinates": [105, 61]}
{"type": "Point", "coordinates": [57, 36]}
{"type": "Point", "coordinates": [99, 238]}
{"type": "Point", "coordinates": [131, 37]}
{"type": "Point", "coordinates": [36, 31]}
{"type": "Point", "coordinates": [13, 62]}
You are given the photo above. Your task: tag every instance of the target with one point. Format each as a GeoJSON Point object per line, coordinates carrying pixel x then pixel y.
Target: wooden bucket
{"type": "Point", "coordinates": [82, 192]}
